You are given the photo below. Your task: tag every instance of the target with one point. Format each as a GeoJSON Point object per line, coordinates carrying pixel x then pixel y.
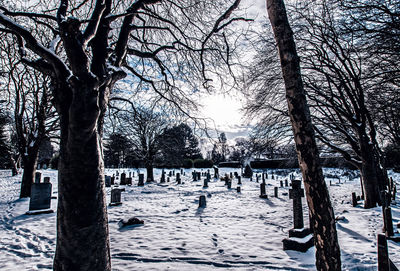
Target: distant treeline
{"type": "Point", "coordinates": [332, 162]}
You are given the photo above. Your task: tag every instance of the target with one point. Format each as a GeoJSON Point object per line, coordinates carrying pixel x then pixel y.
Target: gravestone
{"type": "Point", "coordinates": [194, 176]}
{"type": "Point", "coordinates": [141, 179]}
{"type": "Point", "coordinates": [235, 174]}
{"type": "Point", "coordinates": [275, 192]}
{"type": "Point", "coordinates": [257, 178]}
{"type": "Point", "coordinates": [354, 199]}
{"type": "Point", "coordinates": [202, 201]}
{"type": "Point", "coordinates": [281, 183]}
{"type": "Point", "coordinates": [273, 178]}
{"type": "Point", "coordinates": [238, 189]}
{"type": "Point", "coordinates": [116, 197]}
{"type": "Point", "coordinates": [123, 179]}
{"type": "Point", "coordinates": [388, 222]}
{"type": "Point", "coordinates": [239, 180]}
{"type": "Point", "coordinates": [248, 172]}
{"type": "Point", "coordinates": [40, 200]}
{"type": "Point", "coordinates": [128, 181]}
{"type": "Point", "coordinates": [262, 191]}
{"type": "Point", "coordinates": [263, 178]}
{"type": "Point", "coordinates": [300, 238]}
{"type": "Point", "coordinates": [107, 180]}
{"type": "Point", "coordinates": [205, 183]}
{"type": "Point", "coordinates": [162, 177]}
{"type": "Point", "coordinates": [229, 184]}
{"type": "Point", "coordinates": [198, 176]}
{"type": "Point", "coordinates": [181, 171]}
{"type": "Point", "coordinates": [208, 176]}
{"type": "Point", "coordinates": [178, 178]}
{"type": "Point", "coordinates": [216, 172]}
{"type": "Point", "coordinates": [167, 179]}
{"type": "Point", "coordinates": [38, 177]}
{"type": "Point", "coordinates": [286, 183]}
{"type": "Point", "coordinates": [296, 193]}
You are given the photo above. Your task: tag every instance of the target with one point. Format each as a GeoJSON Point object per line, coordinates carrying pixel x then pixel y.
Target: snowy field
{"type": "Point", "coordinates": [236, 231]}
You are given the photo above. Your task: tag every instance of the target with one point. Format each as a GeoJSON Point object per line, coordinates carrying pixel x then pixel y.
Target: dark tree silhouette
{"type": "Point", "coordinates": [322, 218]}
{"type": "Point", "coordinates": [89, 44]}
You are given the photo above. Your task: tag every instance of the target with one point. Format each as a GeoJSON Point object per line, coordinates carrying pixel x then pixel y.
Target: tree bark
{"type": "Point", "coordinates": [82, 228]}
{"type": "Point", "coordinates": [149, 171]}
{"type": "Point", "coordinates": [369, 171]}
{"type": "Point", "coordinates": [321, 212]}
{"type": "Point", "coordinates": [30, 163]}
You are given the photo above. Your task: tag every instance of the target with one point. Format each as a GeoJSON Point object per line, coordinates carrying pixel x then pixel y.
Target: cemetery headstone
{"type": "Point", "coordinates": [231, 175]}
{"type": "Point", "coordinates": [123, 179]}
{"type": "Point", "coordinates": [128, 181]}
{"type": "Point", "coordinates": [38, 177]}
{"type": "Point", "coordinates": [116, 197]}
{"type": "Point", "coordinates": [262, 191]}
{"type": "Point", "coordinates": [205, 183]}
{"type": "Point", "coordinates": [286, 183]}
{"type": "Point", "coordinates": [202, 201]}
{"type": "Point", "coordinates": [275, 192]}
{"type": "Point", "coordinates": [239, 180]}
{"type": "Point", "coordinates": [141, 179]}
{"type": "Point", "coordinates": [198, 176]}
{"type": "Point", "coordinates": [300, 238]}
{"type": "Point", "coordinates": [238, 189]}
{"type": "Point", "coordinates": [354, 199]}
{"type": "Point", "coordinates": [112, 180]}
{"type": "Point", "coordinates": [248, 172]}
{"type": "Point", "coordinates": [178, 178]}
{"type": "Point", "coordinates": [40, 200]}
{"type": "Point", "coordinates": [216, 172]}
{"type": "Point", "coordinates": [281, 183]}
{"type": "Point", "coordinates": [296, 193]}
{"type": "Point", "coordinates": [229, 184]}
{"type": "Point", "coordinates": [162, 177]}
{"type": "Point", "coordinates": [107, 180]}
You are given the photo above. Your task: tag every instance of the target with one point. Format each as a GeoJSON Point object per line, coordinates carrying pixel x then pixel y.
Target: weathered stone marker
{"type": "Point", "coordinates": [275, 192]}
{"type": "Point", "coordinates": [229, 184]}
{"type": "Point", "coordinates": [141, 179]}
{"type": "Point", "coordinates": [300, 238]}
{"type": "Point", "coordinates": [281, 183]}
{"type": "Point", "coordinates": [107, 180]}
{"type": "Point", "coordinates": [113, 180]}
{"type": "Point", "coordinates": [238, 189]}
{"type": "Point", "coordinates": [128, 180]}
{"type": "Point", "coordinates": [296, 193]}
{"type": "Point", "coordinates": [178, 178]}
{"type": "Point", "coordinates": [116, 197]}
{"type": "Point", "coordinates": [239, 179]}
{"type": "Point", "coordinates": [205, 183]}
{"type": "Point", "coordinates": [202, 201]}
{"type": "Point", "coordinates": [123, 179]}
{"type": "Point", "coordinates": [354, 199]}
{"type": "Point", "coordinates": [40, 200]}
{"type": "Point", "coordinates": [262, 191]}
{"type": "Point", "coordinates": [162, 177]}
{"type": "Point", "coordinates": [383, 254]}
{"type": "Point", "coordinates": [388, 222]}
{"type": "Point", "coordinates": [38, 177]}
{"type": "Point", "coordinates": [286, 183]}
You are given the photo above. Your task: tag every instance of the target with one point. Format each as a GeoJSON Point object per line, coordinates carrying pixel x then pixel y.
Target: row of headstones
{"type": "Point", "coordinates": [40, 199]}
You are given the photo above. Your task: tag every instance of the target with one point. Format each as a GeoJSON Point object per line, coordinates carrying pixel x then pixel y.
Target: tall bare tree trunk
{"type": "Point", "coordinates": [30, 163]}
{"type": "Point", "coordinates": [321, 212]}
{"type": "Point", "coordinates": [82, 228]}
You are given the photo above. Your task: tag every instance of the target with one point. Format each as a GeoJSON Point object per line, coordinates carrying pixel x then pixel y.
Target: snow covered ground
{"type": "Point", "coordinates": [236, 231]}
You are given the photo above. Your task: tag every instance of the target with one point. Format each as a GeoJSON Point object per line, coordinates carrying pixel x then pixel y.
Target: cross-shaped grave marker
{"type": "Point", "coordinates": [296, 193]}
